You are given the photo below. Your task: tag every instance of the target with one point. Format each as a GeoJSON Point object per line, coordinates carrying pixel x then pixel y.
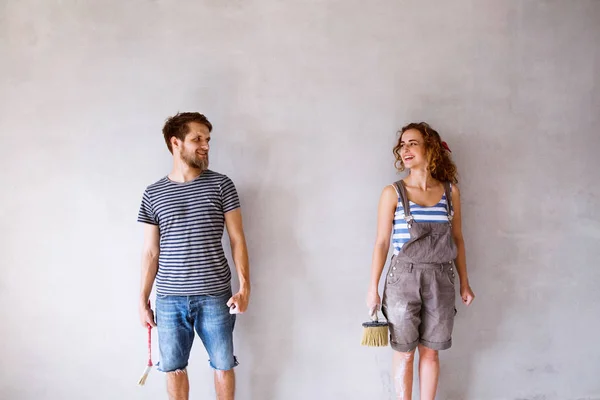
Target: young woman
{"type": "Point", "coordinates": [422, 215]}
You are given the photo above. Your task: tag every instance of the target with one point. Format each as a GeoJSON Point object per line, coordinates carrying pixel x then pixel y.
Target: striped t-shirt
{"type": "Point", "coordinates": [190, 217]}
{"type": "Point", "coordinates": [401, 235]}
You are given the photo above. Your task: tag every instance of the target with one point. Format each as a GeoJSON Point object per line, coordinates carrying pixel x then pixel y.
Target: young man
{"type": "Point", "coordinates": [184, 215]}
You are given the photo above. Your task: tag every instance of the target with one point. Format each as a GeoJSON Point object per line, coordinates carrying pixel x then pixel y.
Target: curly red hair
{"type": "Point", "coordinates": [439, 162]}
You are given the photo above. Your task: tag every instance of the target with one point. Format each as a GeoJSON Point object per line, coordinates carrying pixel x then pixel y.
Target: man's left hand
{"type": "Point", "coordinates": [238, 303]}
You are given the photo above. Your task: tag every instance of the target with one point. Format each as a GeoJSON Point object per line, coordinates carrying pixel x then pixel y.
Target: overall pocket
{"type": "Point", "coordinates": [395, 272]}
{"type": "Point", "coordinates": [449, 272]}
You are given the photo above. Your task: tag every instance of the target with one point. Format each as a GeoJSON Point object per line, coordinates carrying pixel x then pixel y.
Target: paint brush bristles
{"type": "Point", "coordinates": [142, 380]}
{"type": "Point", "coordinates": [375, 333]}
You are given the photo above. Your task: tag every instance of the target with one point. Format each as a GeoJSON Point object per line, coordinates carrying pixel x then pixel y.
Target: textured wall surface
{"type": "Point", "coordinates": [305, 97]}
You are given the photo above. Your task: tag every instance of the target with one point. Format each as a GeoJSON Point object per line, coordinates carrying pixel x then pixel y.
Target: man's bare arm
{"type": "Point", "coordinates": [150, 254]}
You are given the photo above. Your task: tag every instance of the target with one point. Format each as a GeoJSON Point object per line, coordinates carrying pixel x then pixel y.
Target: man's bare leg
{"type": "Point", "coordinates": [178, 385]}
{"type": "Point", "coordinates": [225, 384]}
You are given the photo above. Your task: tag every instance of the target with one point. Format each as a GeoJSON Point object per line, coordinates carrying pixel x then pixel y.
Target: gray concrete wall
{"type": "Point", "coordinates": [305, 97]}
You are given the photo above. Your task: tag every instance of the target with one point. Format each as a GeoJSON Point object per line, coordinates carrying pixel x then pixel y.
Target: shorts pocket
{"type": "Point", "coordinates": [227, 294]}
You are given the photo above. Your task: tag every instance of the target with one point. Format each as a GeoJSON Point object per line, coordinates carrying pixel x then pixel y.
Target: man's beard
{"type": "Point", "coordinates": [194, 161]}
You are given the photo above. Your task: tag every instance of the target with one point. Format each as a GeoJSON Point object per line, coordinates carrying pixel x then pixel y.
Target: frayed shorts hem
{"type": "Point", "coordinates": [224, 367]}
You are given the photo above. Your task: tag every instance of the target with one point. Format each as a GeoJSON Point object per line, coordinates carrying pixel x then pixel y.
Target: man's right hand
{"type": "Point", "coordinates": [146, 316]}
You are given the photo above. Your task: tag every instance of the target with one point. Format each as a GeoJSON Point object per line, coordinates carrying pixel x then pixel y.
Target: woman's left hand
{"type": "Point", "coordinates": [466, 294]}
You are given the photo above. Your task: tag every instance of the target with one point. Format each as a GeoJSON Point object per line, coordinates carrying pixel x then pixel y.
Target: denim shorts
{"type": "Point", "coordinates": [178, 316]}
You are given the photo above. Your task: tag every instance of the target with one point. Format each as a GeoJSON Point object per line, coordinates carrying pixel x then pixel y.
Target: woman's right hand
{"type": "Point", "coordinates": [373, 301]}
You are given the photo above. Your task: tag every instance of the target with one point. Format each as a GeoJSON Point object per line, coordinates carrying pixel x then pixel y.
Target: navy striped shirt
{"type": "Point", "coordinates": [191, 220]}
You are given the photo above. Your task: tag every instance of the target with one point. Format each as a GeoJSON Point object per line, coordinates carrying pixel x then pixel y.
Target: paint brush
{"type": "Point", "coordinates": [375, 333]}
{"type": "Point", "coordinates": [149, 365]}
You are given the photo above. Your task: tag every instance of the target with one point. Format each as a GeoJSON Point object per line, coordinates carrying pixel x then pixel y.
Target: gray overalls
{"type": "Point", "coordinates": [419, 294]}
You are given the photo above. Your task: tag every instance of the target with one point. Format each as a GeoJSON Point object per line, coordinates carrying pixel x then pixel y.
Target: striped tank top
{"type": "Point", "coordinates": [436, 213]}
